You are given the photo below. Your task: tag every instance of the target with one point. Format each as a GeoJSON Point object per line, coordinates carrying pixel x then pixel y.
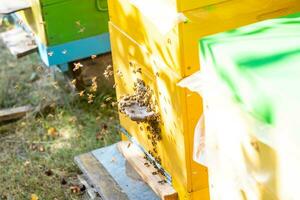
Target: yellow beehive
{"type": "Point", "coordinates": [33, 18]}
{"type": "Point", "coordinates": [175, 147]}
{"type": "Point", "coordinates": [184, 5]}
{"type": "Point", "coordinates": [178, 47]}
{"type": "Point", "coordinates": [164, 45]}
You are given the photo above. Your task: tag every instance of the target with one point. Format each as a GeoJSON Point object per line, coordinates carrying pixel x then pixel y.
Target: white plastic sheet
{"type": "Point", "coordinates": [196, 84]}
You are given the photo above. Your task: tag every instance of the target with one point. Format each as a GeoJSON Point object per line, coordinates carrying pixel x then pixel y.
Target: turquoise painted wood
{"type": "Point", "coordinates": [62, 54]}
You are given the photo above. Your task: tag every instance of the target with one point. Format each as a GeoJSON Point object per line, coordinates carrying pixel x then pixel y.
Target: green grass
{"type": "Point", "coordinates": [27, 151]}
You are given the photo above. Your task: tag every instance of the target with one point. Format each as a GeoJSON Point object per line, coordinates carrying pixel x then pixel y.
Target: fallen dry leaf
{"type": "Point", "coordinates": [52, 132]}
{"type": "Point", "coordinates": [26, 163]}
{"type": "Point", "coordinates": [75, 189]}
{"type": "Point", "coordinates": [34, 197]}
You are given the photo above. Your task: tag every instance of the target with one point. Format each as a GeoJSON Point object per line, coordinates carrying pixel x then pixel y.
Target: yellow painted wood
{"type": "Point", "coordinates": [176, 145]}
{"type": "Point", "coordinates": [178, 48]}
{"type": "Point", "coordinates": [34, 19]}
{"type": "Point", "coordinates": [184, 5]}
{"type": "Point", "coordinates": [177, 52]}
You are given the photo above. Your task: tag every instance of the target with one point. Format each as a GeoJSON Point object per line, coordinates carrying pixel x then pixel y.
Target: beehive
{"type": "Point", "coordinates": [178, 46]}
{"type": "Point", "coordinates": [174, 147]}
{"type": "Point", "coordinates": [59, 21]}
{"type": "Point", "coordinates": [155, 37]}
{"type": "Point", "coordinates": [252, 121]}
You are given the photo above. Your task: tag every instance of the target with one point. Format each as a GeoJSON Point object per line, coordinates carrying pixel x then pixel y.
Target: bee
{"type": "Point", "coordinates": [162, 182]}
{"type": "Point", "coordinates": [108, 99]}
{"type": "Point", "coordinates": [73, 82]}
{"type": "Point", "coordinates": [77, 66]}
{"type": "Point", "coordinates": [139, 70]}
{"type": "Point", "coordinates": [81, 30]}
{"type": "Point", "coordinates": [50, 53]}
{"type": "Point", "coordinates": [147, 164]}
{"type": "Point", "coordinates": [78, 23]}
{"type": "Point", "coordinates": [81, 93]}
{"type": "Point", "coordinates": [154, 173]}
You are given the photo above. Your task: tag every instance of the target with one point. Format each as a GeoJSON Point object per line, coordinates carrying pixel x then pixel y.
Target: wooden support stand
{"type": "Point", "coordinates": [114, 176]}
{"type": "Point", "coordinates": [136, 159]}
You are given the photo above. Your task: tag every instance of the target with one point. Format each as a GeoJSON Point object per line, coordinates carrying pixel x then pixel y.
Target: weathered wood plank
{"type": "Point", "coordinates": [11, 6]}
{"type": "Point", "coordinates": [97, 176]}
{"type": "Point", "coordinates": [91, 193]}
{"type": "Point", "coordinates": [124, 174]}
{"type": "Point", "coordinates": [14, 113]}
{"type": "Point", "coordinates": [136, 158]}
{"type": "Point", "coordinates": [19, 42]}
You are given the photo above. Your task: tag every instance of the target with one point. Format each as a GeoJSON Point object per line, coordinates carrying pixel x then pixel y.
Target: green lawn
{"type": "Point", "coordinates": [36, 152]}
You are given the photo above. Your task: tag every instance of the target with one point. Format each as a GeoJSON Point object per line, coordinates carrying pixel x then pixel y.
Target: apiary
{"type": "Point", "coordinates": [249, 83]}
{"type": "Point", "coordinates": [157, 55]}
{"type": "Point", "coordinates": [67, 30]}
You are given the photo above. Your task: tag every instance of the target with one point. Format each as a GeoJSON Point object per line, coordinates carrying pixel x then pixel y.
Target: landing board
{"type": "Point", "coordinates": [112, 176]}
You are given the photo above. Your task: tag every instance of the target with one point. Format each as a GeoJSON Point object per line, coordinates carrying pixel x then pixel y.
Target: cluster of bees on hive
{"type": "Point", "coordinates": [143, 97]}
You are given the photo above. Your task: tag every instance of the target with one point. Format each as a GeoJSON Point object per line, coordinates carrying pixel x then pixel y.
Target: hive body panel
{"type": "Point", "coordinates": [173, 149]}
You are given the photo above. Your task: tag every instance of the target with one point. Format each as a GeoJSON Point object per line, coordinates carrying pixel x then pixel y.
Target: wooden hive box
{"type": "Point", "coordinates": [67, 30]}
{"type": "Point", "coordinates": [59, 21]}
{"type": "Point", "coordinates": [252, 110]}
{"type": "Point", "coordinates": [164, 44]}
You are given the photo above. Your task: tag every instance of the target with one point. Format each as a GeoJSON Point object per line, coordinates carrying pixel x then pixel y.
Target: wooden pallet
{"type": "Point", "coordinates": [19, 42]}
{"type": "Point", "coordinates": [11, 6]}
{"type": "Point", "coordinates": [14, 113]}
{"type": "Point", "coordinates": [136, 158]}
{"type": "Point", "coordinates": [114, 177]}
